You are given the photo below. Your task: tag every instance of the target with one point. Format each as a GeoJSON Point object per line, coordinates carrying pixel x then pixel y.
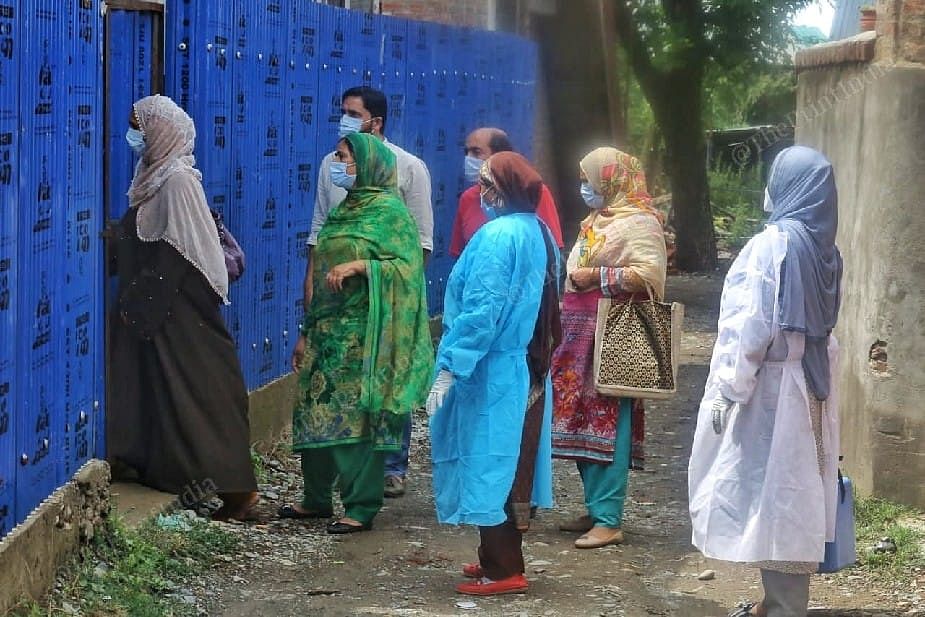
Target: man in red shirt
{"type": "Point", "coordinates": [481, 144]}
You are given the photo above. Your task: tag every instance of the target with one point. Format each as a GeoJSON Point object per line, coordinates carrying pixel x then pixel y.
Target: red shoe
{"type": "Point", "coordinates": [512, 584]}
{"type": "Point", "coordinates": [472, 570]}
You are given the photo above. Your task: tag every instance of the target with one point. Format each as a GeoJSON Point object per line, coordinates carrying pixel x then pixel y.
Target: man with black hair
{"type": "Point", "coordinates": [481, 144]}
{"type": "Point", "coordinates": [365, 110]}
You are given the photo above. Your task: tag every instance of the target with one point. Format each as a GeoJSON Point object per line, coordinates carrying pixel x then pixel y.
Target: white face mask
{"type": "Point", "coordinates": [136, 140]}
{"type": "Point", "coordinates": [472, 168]}
{"type": "Point", "coordinates": [340, 177]}
{"type": "Point", "coordinates": [349, 125]}
{"type": "Point", "coordinates": [768, 204]}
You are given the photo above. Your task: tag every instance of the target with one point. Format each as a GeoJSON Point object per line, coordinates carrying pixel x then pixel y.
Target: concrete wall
{"type": "Point", "coordinates": [869, 119]}
{"type": "Point", "coordinates": [31, 554]}
{"type": "Point", "coordinates": [271, 412]}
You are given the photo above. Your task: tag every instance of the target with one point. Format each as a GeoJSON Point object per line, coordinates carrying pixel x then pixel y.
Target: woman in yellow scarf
{"type": "Point", "coordinates": [620, 253]}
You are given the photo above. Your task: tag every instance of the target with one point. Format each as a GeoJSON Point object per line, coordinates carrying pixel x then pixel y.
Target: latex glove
{"type": "Point", "coordinates": [442, 385]}
{"type": "Point", "coordinates": [721, 408]}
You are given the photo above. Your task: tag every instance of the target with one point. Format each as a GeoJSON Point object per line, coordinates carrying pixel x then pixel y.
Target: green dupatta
{"type": "Point", "coordinates": [373, 225]}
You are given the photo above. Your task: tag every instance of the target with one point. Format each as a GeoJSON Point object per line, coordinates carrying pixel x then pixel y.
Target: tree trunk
{"type": "Point", "coordinates": [679, 112]}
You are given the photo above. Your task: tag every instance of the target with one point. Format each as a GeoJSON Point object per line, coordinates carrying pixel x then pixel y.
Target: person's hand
{"type": "Point", "coordinates": [335, 278]}
{"type": "Point", "coordinates": [298, 353]}
{"type": "Point", "coordinates": [585, 278]}
{"type": "Point", "coordinates": [438, 391]}
{"type": "Point", "coordinates": [721, 408]}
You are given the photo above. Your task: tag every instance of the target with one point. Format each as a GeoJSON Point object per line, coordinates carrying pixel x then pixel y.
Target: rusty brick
{"type": "Point", "coordinates": [456, 12]}
{"type": "Point", "coordinates": [912, 8]}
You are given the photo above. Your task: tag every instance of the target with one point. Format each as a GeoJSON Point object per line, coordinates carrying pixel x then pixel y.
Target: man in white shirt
{"type": "Point", "coordinates": [365, 110]}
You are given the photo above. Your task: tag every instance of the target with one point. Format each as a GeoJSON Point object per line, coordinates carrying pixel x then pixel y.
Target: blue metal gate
{"type": "Point", "coordinates": [262, 79]}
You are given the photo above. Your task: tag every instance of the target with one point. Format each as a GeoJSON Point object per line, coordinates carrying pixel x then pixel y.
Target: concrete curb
{"type": "Point", "coordinates": [32, 552]}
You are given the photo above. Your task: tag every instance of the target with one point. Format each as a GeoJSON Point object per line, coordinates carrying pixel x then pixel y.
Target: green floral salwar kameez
{"type": "Point", "coordinates": [369, 356]}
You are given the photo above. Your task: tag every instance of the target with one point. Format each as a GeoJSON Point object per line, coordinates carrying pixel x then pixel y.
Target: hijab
{"type": "Point", "coordinates": [619, 177]}
{"type": "Point", "coordinates": [515, 180]}
{"type": "Point", "coordinates": [167, 191]}
{"type": "Point", "coordinates": [377, 173]}
{"type": "Point", "coordinates": [801, 187]}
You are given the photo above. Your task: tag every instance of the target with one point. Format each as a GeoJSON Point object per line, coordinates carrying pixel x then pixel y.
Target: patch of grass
{"type": "Point", "coordinates": [879, 518]}
{"type": "Point", "coordinates": [260, 470]}
{"type": "Point", "coordinates": [132, 572]}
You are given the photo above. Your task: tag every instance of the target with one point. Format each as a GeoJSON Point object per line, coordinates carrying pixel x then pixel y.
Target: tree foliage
{"type": "Point", "coordinates": [677, 47]}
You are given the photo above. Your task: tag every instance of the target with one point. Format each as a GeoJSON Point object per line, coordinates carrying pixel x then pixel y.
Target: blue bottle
{"type": "Point", "coordinates": [841, 552]}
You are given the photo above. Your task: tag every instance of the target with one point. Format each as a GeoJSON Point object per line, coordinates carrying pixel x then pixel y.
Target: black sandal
{"type": "Point", "coordinates": [289, 511]}
{"type": "Point", "coordinates": [744, 609]}
{"type": "Point", "coordinates": [340, 528]}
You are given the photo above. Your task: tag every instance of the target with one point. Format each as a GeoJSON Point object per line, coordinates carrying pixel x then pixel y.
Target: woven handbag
{"type": "Point", "coordinates": [636, 348]}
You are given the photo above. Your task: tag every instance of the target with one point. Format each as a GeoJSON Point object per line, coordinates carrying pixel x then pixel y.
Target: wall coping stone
{"type": "Point", "coordinates": [858, 48]}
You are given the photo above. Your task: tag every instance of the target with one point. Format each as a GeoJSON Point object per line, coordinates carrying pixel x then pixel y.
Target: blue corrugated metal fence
{"type": "Point", "coordinates": [51, 322]}
{"type": "Point", "coordinates": [262, 80]}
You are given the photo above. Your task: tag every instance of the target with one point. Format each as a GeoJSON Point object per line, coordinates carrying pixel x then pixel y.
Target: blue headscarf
{"type": "Point", "coordinates": [801, 187]}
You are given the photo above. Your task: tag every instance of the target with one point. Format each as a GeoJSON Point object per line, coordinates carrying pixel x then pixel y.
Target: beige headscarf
{"type": "Point", "coordinates": [167, 190]}
{"type": "Point", "coordinates": [626, 232]}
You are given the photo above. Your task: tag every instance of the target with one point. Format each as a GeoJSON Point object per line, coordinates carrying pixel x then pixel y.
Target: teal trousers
{"type": "Point", "coordinates": [605, 485]}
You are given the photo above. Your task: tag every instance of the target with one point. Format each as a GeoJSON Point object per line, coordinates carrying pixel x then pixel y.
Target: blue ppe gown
{"type": "Point", "coordinates": [492, 300]}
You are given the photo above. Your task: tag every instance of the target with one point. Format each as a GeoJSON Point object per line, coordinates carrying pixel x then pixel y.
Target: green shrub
{"type": "Point", "coordinates": [737, 198]}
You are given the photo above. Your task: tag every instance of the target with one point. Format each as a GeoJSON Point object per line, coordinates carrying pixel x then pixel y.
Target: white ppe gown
{"type": "Point", "coordinates": [762, 491]}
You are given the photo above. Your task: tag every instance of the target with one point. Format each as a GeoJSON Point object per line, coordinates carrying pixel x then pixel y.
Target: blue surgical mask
{"type": "Point", "coordinates": [349, 125]}
{"type": "Point", "coordinates": [594, 199]}
{"type": "Point", "coordinates": [768, 204]}
{"type": "Point", "coordinates": [491, 213]}
{"type": "Point", "coordinates": [136, 140]}
{"type": "Point", "coordinates": [472, 168]}
{"type": "Point", "coordinates": [340, 177]}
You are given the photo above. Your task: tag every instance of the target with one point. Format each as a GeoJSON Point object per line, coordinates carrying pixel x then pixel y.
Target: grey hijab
{"type": "Point", "coordinates": [167, 190]}
{"type": "Point", "coordinates": [801, 187]}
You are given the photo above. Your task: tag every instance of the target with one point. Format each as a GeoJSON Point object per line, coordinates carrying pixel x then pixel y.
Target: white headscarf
{"type": "Point", "coordinates": [167, 190]}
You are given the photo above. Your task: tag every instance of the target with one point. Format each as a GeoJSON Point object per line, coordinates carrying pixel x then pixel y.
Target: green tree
{"type": "Point", "coordinates": [672, 46]}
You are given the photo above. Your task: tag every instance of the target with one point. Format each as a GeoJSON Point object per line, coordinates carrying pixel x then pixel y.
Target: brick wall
{"type": "Point", "coordinates": [901, 31]}
{"type": "Point", "coordinates": [453, 12]}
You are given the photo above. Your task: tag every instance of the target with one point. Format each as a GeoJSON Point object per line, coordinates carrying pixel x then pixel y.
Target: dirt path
{"type": "Point", "coordinates": [408, 565]}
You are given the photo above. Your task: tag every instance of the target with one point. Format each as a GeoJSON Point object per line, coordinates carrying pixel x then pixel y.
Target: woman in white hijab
{"type": "Point", "coordinates": [763, 470]}
{"type": "Point", "coordinates": [179, 409]}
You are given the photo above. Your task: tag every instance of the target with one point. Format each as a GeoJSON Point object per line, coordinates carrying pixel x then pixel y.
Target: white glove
{"type": "Point", "coordinates": [721, 408]}
{"type": "Point", "coordinates": [442, 385]}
